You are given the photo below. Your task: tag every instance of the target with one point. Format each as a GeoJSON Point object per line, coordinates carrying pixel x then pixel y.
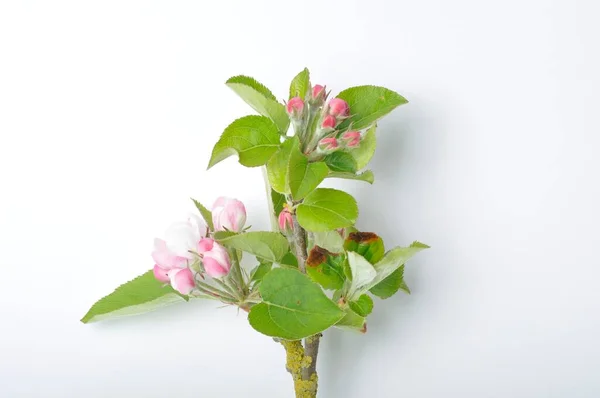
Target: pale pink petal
{"type": "Point", "coordinates": [182, 280]}
{"type": "Point", "coordinates": [213, 268]}
{"type": "Point", "coordinates": [205, 245]}
{"type": "Point", "coordinates": [181, 237]}
{"type": "Point", "coordinates": [220, 202]}
{"type": "Point", "coordinates": [161, 274]}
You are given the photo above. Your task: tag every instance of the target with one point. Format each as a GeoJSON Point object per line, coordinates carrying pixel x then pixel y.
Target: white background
{"type": "Point", "coordinates": [108, 113]}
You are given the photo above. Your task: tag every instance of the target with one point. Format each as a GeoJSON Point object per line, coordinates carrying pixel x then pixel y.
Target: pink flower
{"type": "Point", "coordinates": [338, 108]}
{"type": "Point", "coordinates": [216, 261]}
{"type": "Point", "coordinates": [329, 122]}
{"type": "Point", "coordinates": [295, 106]}
{"type": "Point", "coordinates": [328, 144]}
{"type": "Point", "coordinates": [285, 220]}
{"type": "Point", "coordinates": [228, 214]}
{"type": "Point", "coordinates": [182, 280]}
{"type": "Point", "coordinates": [352, 138]}
{"type": "Point", "coordinates": [182, 237]}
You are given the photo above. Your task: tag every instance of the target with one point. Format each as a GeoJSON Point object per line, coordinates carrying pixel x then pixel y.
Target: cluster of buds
{"type": "Point", "coordinates": [187, 242]}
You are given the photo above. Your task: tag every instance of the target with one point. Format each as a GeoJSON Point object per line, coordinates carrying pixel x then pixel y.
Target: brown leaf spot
{"type": "Point", "coordinates": [363, 237]}
{"type": "Point", "coordinates": [317, 256]}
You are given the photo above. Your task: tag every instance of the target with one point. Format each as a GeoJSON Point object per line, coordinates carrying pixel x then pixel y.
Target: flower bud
{"type": "Point", "coordinates": [328, 144]}
{"type": "Point", "coordinates": [338, 108]}
{"type": "Point", "coordinates": [329, 122]}
{"type": "Point", "coordinates": [351, 138]}
{"type": "Point", "coordinates": [318, 95]}
{"type": "Point", "coordinates": [216, 261]}
{"type": "Point", "coordinates": [295, 107]}
{"type": "Point", "coordinates": [228, 215]}
{"type": "Point", "coordinates": [182, 280]}
{"type": "Point", "coordinates": [285, 220]}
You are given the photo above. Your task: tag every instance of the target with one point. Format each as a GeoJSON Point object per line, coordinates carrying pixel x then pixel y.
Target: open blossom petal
{"type": "Point", "coordinates": [165, 258]}
{"type": "Point", "coordinates": [182, 280]}
{"type": "Point", "coordinates": [161, 274]}
{"type": "Point", "coordinates": [183, 237]}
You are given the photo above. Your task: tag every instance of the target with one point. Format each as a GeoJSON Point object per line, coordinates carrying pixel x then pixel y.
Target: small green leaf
{"type": "Point", "coordinates": [289, 260]}
{"type": "Point", "coordinates": [206, 214]}
{"type": "Point", "coordinates": [254, 138]}
{"type": "Point", "coordinates": [329, 240]}
{"type": "Point", "coordinates": [293, 306]}
{"type": "Point", "coordinates": [368, 104]}
{"type": "Point", "coordinates": [219, 235]}
{"type": "Point", "coordinates": [325, 268]}
{"type": "Point", "coordinates": [367, 244]}
{"type": "Point", "coordinates": [300, 85]}
{"type": "Point", "coordinates": [390, 285]}
{"type": "Point", "coordinates": [278, 166]}
{"type": "Point", "coordinates": [365, 151]}
{"type": "Point", "coordinates": [352, 321]}
{"type": "Point", "coordinates": [140, 295]}
{"type": "Point", "coordinates": [278, 201]}
{"type": "Point", "coordinates": [267, 246]}
{"type": "Point", "coordinates": [394, 259]}
{"type": "Point", "coordinates": [363, 306]}
{"type": "Point", "coordinates": [363, 275]}
{"type": "Point", "coordinates": [366, 176]}
{"type": "Point", "coordinates": [326, 209]}
{"type": "Point", "coordinates": [290, 172]}
{"type": "Point", "coordinates": [260, 271]}
{"type": "Point", "coordinates": [260, 99]}
{"type": "Point", "coordinates": [340, 161]}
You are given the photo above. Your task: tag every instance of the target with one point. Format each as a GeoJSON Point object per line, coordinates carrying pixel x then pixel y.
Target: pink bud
{"type": "Point", "coordinates": [352, 138]}
{"type": "Point", "coordinates": [329, 122]}
{"type": "Point", "coordinates": [328, 144]}
{"type": "Point", "coordinates": [228, 214]}
{"type": "Point", "coordinates": [318, 94]}
{"type": "Point", "coordinates": [216, 261]}
{"type": "Point", "coordinates": [285, 220]}
{"type": "Point", "coordinates": [295, 106]}
{"type": "Point", "coordinates": [338, 107]}
{"type": "Point", "coordinates": [182, 280]}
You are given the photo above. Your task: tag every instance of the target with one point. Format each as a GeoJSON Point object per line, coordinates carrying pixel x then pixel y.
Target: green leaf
{"type": "Point", "coordinates": [289, 260]}
{"type": "Point", "coordinates": [325, 268]}
{"type": "Point", "coordinates": [363, 306]}
{"type": "Point", "coordinates": [140, 295]}
{"type": "Point", "coordinates": [368, 104]}
{"type": "Point", "coordinates": [206, 214]}
{"type": "Point", "coordinates": [258, 272]}
{"type": "Point", "coordinates": [366, 176]}
{"type": "Point", "coordinates": [394, 259]}
{"type": "Point", "coordinates": [340, 161]}
{"type": "Point", "coordinates": [352, 321]}
{"type": "Point", "coordinates": [390, 285]}
{"type": "Point", "coordinates": [326, 209]}
{"type": "Point", "coordinates": [278, 201]}
{"type": "Point", "coordinates": [365, 151]}
{"type": "Point", "coordinates": [254, 138]}
{"type": "Point", "coordinates": [329, 240]}
{"type": "Point", "coordinates": [260, 99]}
{"type": "Point", "coordinates": [267, 246]}
{"type": "Point", "coordinates": [363, 275]}
{"type": "Point", "coordinates": [219, 235]}
{"type": "Point", "coordinates": [300, 85]}
{"type": "Point", "coordinates": [290, 172]}
{"type": "Point", "coordinates": [367, 244]}
{"type": "Point", "coordinates": [293, 306]}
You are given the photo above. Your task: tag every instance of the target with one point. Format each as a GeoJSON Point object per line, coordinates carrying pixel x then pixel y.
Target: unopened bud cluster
{"type": "Point", "coordinates": [317, 122]}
